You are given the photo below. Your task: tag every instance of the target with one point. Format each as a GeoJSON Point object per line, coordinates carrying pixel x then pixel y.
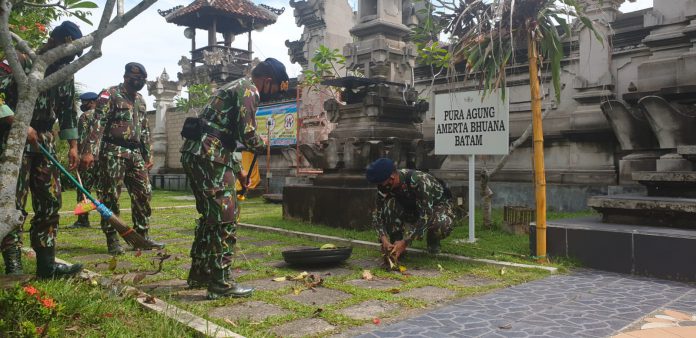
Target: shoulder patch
{"type": "Point", "coordinates": [105, 94]}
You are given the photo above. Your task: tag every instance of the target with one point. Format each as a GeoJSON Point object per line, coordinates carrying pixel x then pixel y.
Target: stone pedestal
{"type": "Point", "coordinates": [164, 92]}
{"type": "Point", "coordinates": [673, 162]}
{"type": "Point", "coordinates": [640, 161]}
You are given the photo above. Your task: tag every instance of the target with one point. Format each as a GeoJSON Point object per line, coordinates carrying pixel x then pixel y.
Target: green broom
{"type": "Point", "coordinates": [131, 237]}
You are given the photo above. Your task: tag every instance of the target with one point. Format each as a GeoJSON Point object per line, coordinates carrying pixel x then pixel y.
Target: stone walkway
{"type": "Point", "coordinates": [584, 303]}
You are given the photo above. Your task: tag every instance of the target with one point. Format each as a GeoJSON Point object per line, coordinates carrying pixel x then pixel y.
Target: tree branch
{"type": "Point", "coordinates": [69, 69]}
{"type": "Point", "coordinates": [6, 43]}
{"type": "Point", "coordinates": [22, 45]}
{"type": "Point", "coordinates": [57, 4]}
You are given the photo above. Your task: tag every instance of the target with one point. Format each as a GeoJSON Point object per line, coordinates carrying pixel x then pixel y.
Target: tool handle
{"type": "Point", "coordinates": [248, 178]}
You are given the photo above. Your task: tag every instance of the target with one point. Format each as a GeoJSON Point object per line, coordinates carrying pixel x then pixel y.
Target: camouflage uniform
{"type": "Point", "coordinates": [87, 176]}
{"type": "Point", "coordinates": [37, 173]}
{"type": "Point", "coordinates": [120, 137]}
{"type": "Point", "coordinates": [418, 205]}
{"type": "Point", "coordinates": [211, 169]}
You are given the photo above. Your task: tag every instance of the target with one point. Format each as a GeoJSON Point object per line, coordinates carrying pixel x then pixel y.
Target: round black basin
{"type": "Point", "coordinates": [316, 256]}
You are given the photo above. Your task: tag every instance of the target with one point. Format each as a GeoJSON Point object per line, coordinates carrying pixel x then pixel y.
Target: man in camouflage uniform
{"type": "Point", "coordinates": [409, 204]}
{"type": "Point", "coordinates": [37, 173]}
{"type": "Point", "coordinates": [87, 176]}
{"type": "Point", "coordinates": [120, 136]}
{"type": "Point", "coordinates": [210, 166]}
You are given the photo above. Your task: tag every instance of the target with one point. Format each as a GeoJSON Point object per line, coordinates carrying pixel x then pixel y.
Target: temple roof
{"type": "Point", "coordinates": [233, 16]}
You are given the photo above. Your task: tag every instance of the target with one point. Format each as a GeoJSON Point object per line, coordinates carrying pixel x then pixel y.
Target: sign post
{"type": "Point", "coordinates": [467, 123]}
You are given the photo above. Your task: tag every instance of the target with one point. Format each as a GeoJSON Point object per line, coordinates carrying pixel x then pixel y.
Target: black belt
{"type": "Point", "coordinates": [212, 131]}
{"type": "Point", "coordinates": [132, 145]}
{"type": "Point", "coordinates": [42, 126]}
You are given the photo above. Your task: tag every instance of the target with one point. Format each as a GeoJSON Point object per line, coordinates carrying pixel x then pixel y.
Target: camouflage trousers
{"type": "Point", "coordinates": [114, 173]}
{"type": "Point", "coordinates": [89, 180]}
{"type": "Point", "coordinates": [213, 186]}
{"type": "Point", "coordinates": [399, 220]}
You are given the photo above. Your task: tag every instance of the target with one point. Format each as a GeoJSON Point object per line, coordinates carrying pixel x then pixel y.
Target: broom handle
{"type": "Point", "coordinates": [103, 210]}
{"type": "Point", "coordinates": [251, 167]}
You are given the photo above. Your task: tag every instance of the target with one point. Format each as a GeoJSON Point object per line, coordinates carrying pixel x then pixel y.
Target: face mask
{"type": "Point", "coordinates": [84, 107]}
{"type": "Point", "coordinates": [136, 84]}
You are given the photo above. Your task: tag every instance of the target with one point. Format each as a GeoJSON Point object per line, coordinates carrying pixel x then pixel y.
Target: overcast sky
{"type": "Point", "coordinates": [159, 45]}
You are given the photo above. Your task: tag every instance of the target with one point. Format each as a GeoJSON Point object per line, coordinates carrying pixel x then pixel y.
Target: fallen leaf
{"type": "Point", "coordinates": [280, 279]}
{"type": "Point", "coordinates": [506, 326]}
{"type": "Point", "coordinates": [113, 263]}
{"type": "Point", "coordinates": [395, 290]}
{"type": "Point", "coordinates": [402, 268]}
{"type": "Point", "coordinates": [72, 328]}
{"type": "Point", "coordinates": [327, 246]}
{"type": "Point", "coordinates": [503, 271]}
{"type": "Point", "coordinates": [440, 267]}
{"type": "Point", "coordinates": [367, 275]}
{"type": "Point", "coordinates": [300, 276]}
{"type": "Point", "coordinates": [107, 315]}
{"type": "Point", "coordinates": [296, 291]}
{"type": "Point", "coordinates": [228, 321]}
{"type": "Point", "coordinates": [31, 254]}
{"type": "Point", "coordinates": [139, 278]}
{"type": "Point", "coordinates": [376, 321]}
{"type": "Point", "coordinates": [150, 300]}
{"type": "Point", "coordinates": [138, 253]}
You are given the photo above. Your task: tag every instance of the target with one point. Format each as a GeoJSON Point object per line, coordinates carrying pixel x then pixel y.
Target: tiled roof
{"type": "Point", "coordinates": [199, 10]}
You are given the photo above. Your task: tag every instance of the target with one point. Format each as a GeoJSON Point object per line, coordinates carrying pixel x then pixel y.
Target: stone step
{"type": "Point", "coordinates": [668, 183]}
{"type": "Point", "coordinates": [686, 150]}
{"type": "Point", "coordinates": [660, 211]}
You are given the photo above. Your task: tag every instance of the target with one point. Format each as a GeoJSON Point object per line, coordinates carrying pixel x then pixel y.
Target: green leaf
{"type": "Point", "coordinates": [83, 4]}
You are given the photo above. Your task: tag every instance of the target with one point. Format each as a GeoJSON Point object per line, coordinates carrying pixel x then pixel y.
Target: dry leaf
{"type": "Point", "coordinates": [395, 290]}
{"type": "Point", "coordinates": [150, 300]}
{"type": "Point", "coordinates": [138, 253]}
{"type": "Point", "coordinates": [300, 276]}
{"type": "Point", "coordinates": [228, 321]}
{"type": "Point", "coordinates": [296, 291]}
{"type": "Point", "coordinates": [113, 263]}
{"type": "Point", "coordinates": [503, 271]}
{"type": "Point", "coordinates": [367, 275]}
{"type": "Point", "coordinates": [280, 279]}
{"type": "Point", "coordinates": [72, 328]}
{"type": "Point", "coordinates": [138, 278]}
{"type": "Point", "coordinates": [402, 268]}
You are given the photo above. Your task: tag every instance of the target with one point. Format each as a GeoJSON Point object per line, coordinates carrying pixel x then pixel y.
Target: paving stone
{"type": "Point", "coordinates": [267, 284]}
{"type": "Point", "coordinates": [429, 294]}
{"type": "Point", "coordinates": [261, 243]}
{"type": "Point", "coordinates": [254, 311]}
{"type": "Point", "coordinates": [323, 271]}
{"type": "Point", "coordinates": [104, 266]}
{"type": "Point", "coordinates": [195, 295]}
{"type": "Point", "coordinates": [469, 281]}
{"type": "Point", "coordinates": [368, 309]}
{"type": "Point", "coordinates": [176, 241]}
{"type": "Point", "coordinates": [376, 283]}
{"type": "Point", "coordinates": [91, 258]}
{"type": "Point", "coordinates": [428, 273]}
{"type": "Point", "coordinates": [319, 296]}
{"type": "Point", "coordinates": [366, 263]}
{"type": "Point", "coordinates": [129, 277]}
{"type": "Point", "coordinates": [251, 256]}
{"type": "Point", "coordinates": [185, 266]}
{"type": "Point", "coordinates": [303, 328]}
{"type": "Point", "coordinates": [164, 286]}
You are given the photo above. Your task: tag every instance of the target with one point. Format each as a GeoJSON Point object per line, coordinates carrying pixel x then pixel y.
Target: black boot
{"type": "Point", "coordinates": [113, 245]}
{"type": "Point", "coordinates": [82, 221]}
{"type": "Point", "coordinates": [46, 266]}
{"type": "Point", "coordinates": [13, 260]}
{"type": "Point", "coordinates": [222, 285]}
{"type": "Point", "coordinates": [198, 277]}
{"type": "Point", "coordinates": [433, 243]}
{"type": "Point", "coordinates": [152, 244]}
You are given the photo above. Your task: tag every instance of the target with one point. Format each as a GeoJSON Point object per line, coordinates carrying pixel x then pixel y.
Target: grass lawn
{"type": "Point", "coordinates": [89, 308]}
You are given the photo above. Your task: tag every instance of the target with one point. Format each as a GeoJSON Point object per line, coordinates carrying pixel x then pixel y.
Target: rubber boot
{"type": "Point", "coordinates": [82, 222]}
{"type": "Point", "coordinates": [113, 245]}
{"type": "Point", "coordinates": [152, 244]}
{"type": "Point", "coordinates": [199, 276]}
{"type": "Point", "coordinates": [433, 243]}
{"type": "Point", "coordinates": [222, 285]}
{"type": "Point", "coordinates": [46, 266]}
{"type": "Point", "coordinates": [13, 260]}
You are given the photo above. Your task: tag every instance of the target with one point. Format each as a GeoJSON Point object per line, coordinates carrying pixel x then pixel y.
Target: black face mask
{"type": "Point", "coordinates": [84, 107]}
{"type": "Point", "coordinates": [136, 84]}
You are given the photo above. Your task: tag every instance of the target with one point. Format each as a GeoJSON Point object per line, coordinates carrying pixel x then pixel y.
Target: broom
{"type": "Point", "coordinates": [131, 237]}
{"type": "Point", "coordinates": [242, 193]}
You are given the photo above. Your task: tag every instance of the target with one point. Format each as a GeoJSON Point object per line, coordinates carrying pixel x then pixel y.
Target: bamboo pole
{"type": "Point", "coordinates": [538, 137]}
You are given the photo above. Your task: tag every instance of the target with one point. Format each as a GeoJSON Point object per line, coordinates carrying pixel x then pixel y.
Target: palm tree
{"type": "Point", "coordinates": [485, 35]}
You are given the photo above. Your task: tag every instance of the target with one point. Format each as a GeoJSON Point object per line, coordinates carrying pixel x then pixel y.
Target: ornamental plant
{"type": "Point", "coordinates": [25, 311]}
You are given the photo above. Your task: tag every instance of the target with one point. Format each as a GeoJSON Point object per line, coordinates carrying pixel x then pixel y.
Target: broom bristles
{"type": "Point", "coordinates": [131, 237]}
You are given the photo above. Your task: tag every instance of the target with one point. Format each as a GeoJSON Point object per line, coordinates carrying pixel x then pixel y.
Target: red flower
{"type": "Point", "coordinates": [48, 303]}
{"type": "Point", "coordinates": [30, 290]}
{"type": "Point", "coordinates": [41, 27]}
{"type": "Point", "coordinates": [39, 330]}
{"type": "Point", "coordinates": [22, 28]}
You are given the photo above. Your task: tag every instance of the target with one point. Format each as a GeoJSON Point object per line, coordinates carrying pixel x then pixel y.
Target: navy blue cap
{"type": "Point", "coordinates": [135, 68]}
{"type": "Point", "coordinates": [379, 170]}
{"type": "Point", "coordinates": [66, 29]}
{"type": "Point", "coordinates": [279, 74]}
{"type": "Point", "coordinates": [89, 96]}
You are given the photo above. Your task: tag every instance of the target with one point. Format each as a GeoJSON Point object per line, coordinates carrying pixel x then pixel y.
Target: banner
{"type": "Point", "coordinates": [282, 119]}
{"type": "Point", "coordinates": [254, 177]}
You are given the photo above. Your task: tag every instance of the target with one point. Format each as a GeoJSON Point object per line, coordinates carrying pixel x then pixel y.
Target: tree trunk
{"type": "Point", "coordinates": [539, 175]}
{"type": "Point", "coordinates": [486, 197]}
{"type": "Point", "coordinates": [10, 217]}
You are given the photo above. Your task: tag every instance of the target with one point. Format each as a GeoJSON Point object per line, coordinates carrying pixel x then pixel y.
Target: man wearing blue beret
{"type": "Point", "coordinates": [88, 176]}
{"type": "Point", "coordinates": [37, 173]}
{"type": "Point", "coordinates": [410, 205]}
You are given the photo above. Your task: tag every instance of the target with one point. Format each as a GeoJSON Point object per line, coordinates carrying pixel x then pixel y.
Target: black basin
{"type": "Point", "coordinates": [316, 256]}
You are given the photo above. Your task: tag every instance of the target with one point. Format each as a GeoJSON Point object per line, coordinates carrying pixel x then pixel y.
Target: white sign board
{"type": "Point", "coordinates": [466, 123]}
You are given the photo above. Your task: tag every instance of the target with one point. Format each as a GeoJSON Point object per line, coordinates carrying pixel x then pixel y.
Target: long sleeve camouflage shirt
{"type": "Point", "coordinates": [232, 109]}
{"type": "Point", "coordinates": [119, 119]}
{"type": "Point", "coordinates": [57, 103]}
{"type": "Point", "coordinates": [83, 124]}
{"type": "Point", "coordinates": [418, 194]}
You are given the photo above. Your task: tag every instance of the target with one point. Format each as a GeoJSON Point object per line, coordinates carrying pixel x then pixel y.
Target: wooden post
{"type": "Point", "coordinates": [538, 137]}
{"type": "Point", "coordinates": [212, 32]}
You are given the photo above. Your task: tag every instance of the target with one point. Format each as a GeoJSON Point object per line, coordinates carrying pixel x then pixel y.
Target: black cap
{"type": "Point", "coordinates": [280, 76]}
{"type": "Point", "coordinates": [89, 96]}
{"type": "Point", "coordinates": [66, 29]}
{"type": "Point", "coordinates": [135, 68]}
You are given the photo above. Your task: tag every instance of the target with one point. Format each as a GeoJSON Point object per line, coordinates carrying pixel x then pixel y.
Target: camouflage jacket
{"type": "Point", "coordinates": [83, 124]}
{"type": "Point", "coordinates": [57, 103]}
{"type": "Point", "coordinates": [418, 195]}
{"type": "Point", "coordinates": [231, 110]}
{"type": "Point", "coordinates": [119, 119]}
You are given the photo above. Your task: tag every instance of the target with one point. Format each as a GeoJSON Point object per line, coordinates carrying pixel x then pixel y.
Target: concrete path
{"type": "Point", "coordinates": [584, 303]}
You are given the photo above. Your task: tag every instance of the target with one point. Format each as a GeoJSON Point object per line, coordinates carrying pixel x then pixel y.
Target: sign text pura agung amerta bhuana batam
{"type": "Point", "coordinates": [466, 123]}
